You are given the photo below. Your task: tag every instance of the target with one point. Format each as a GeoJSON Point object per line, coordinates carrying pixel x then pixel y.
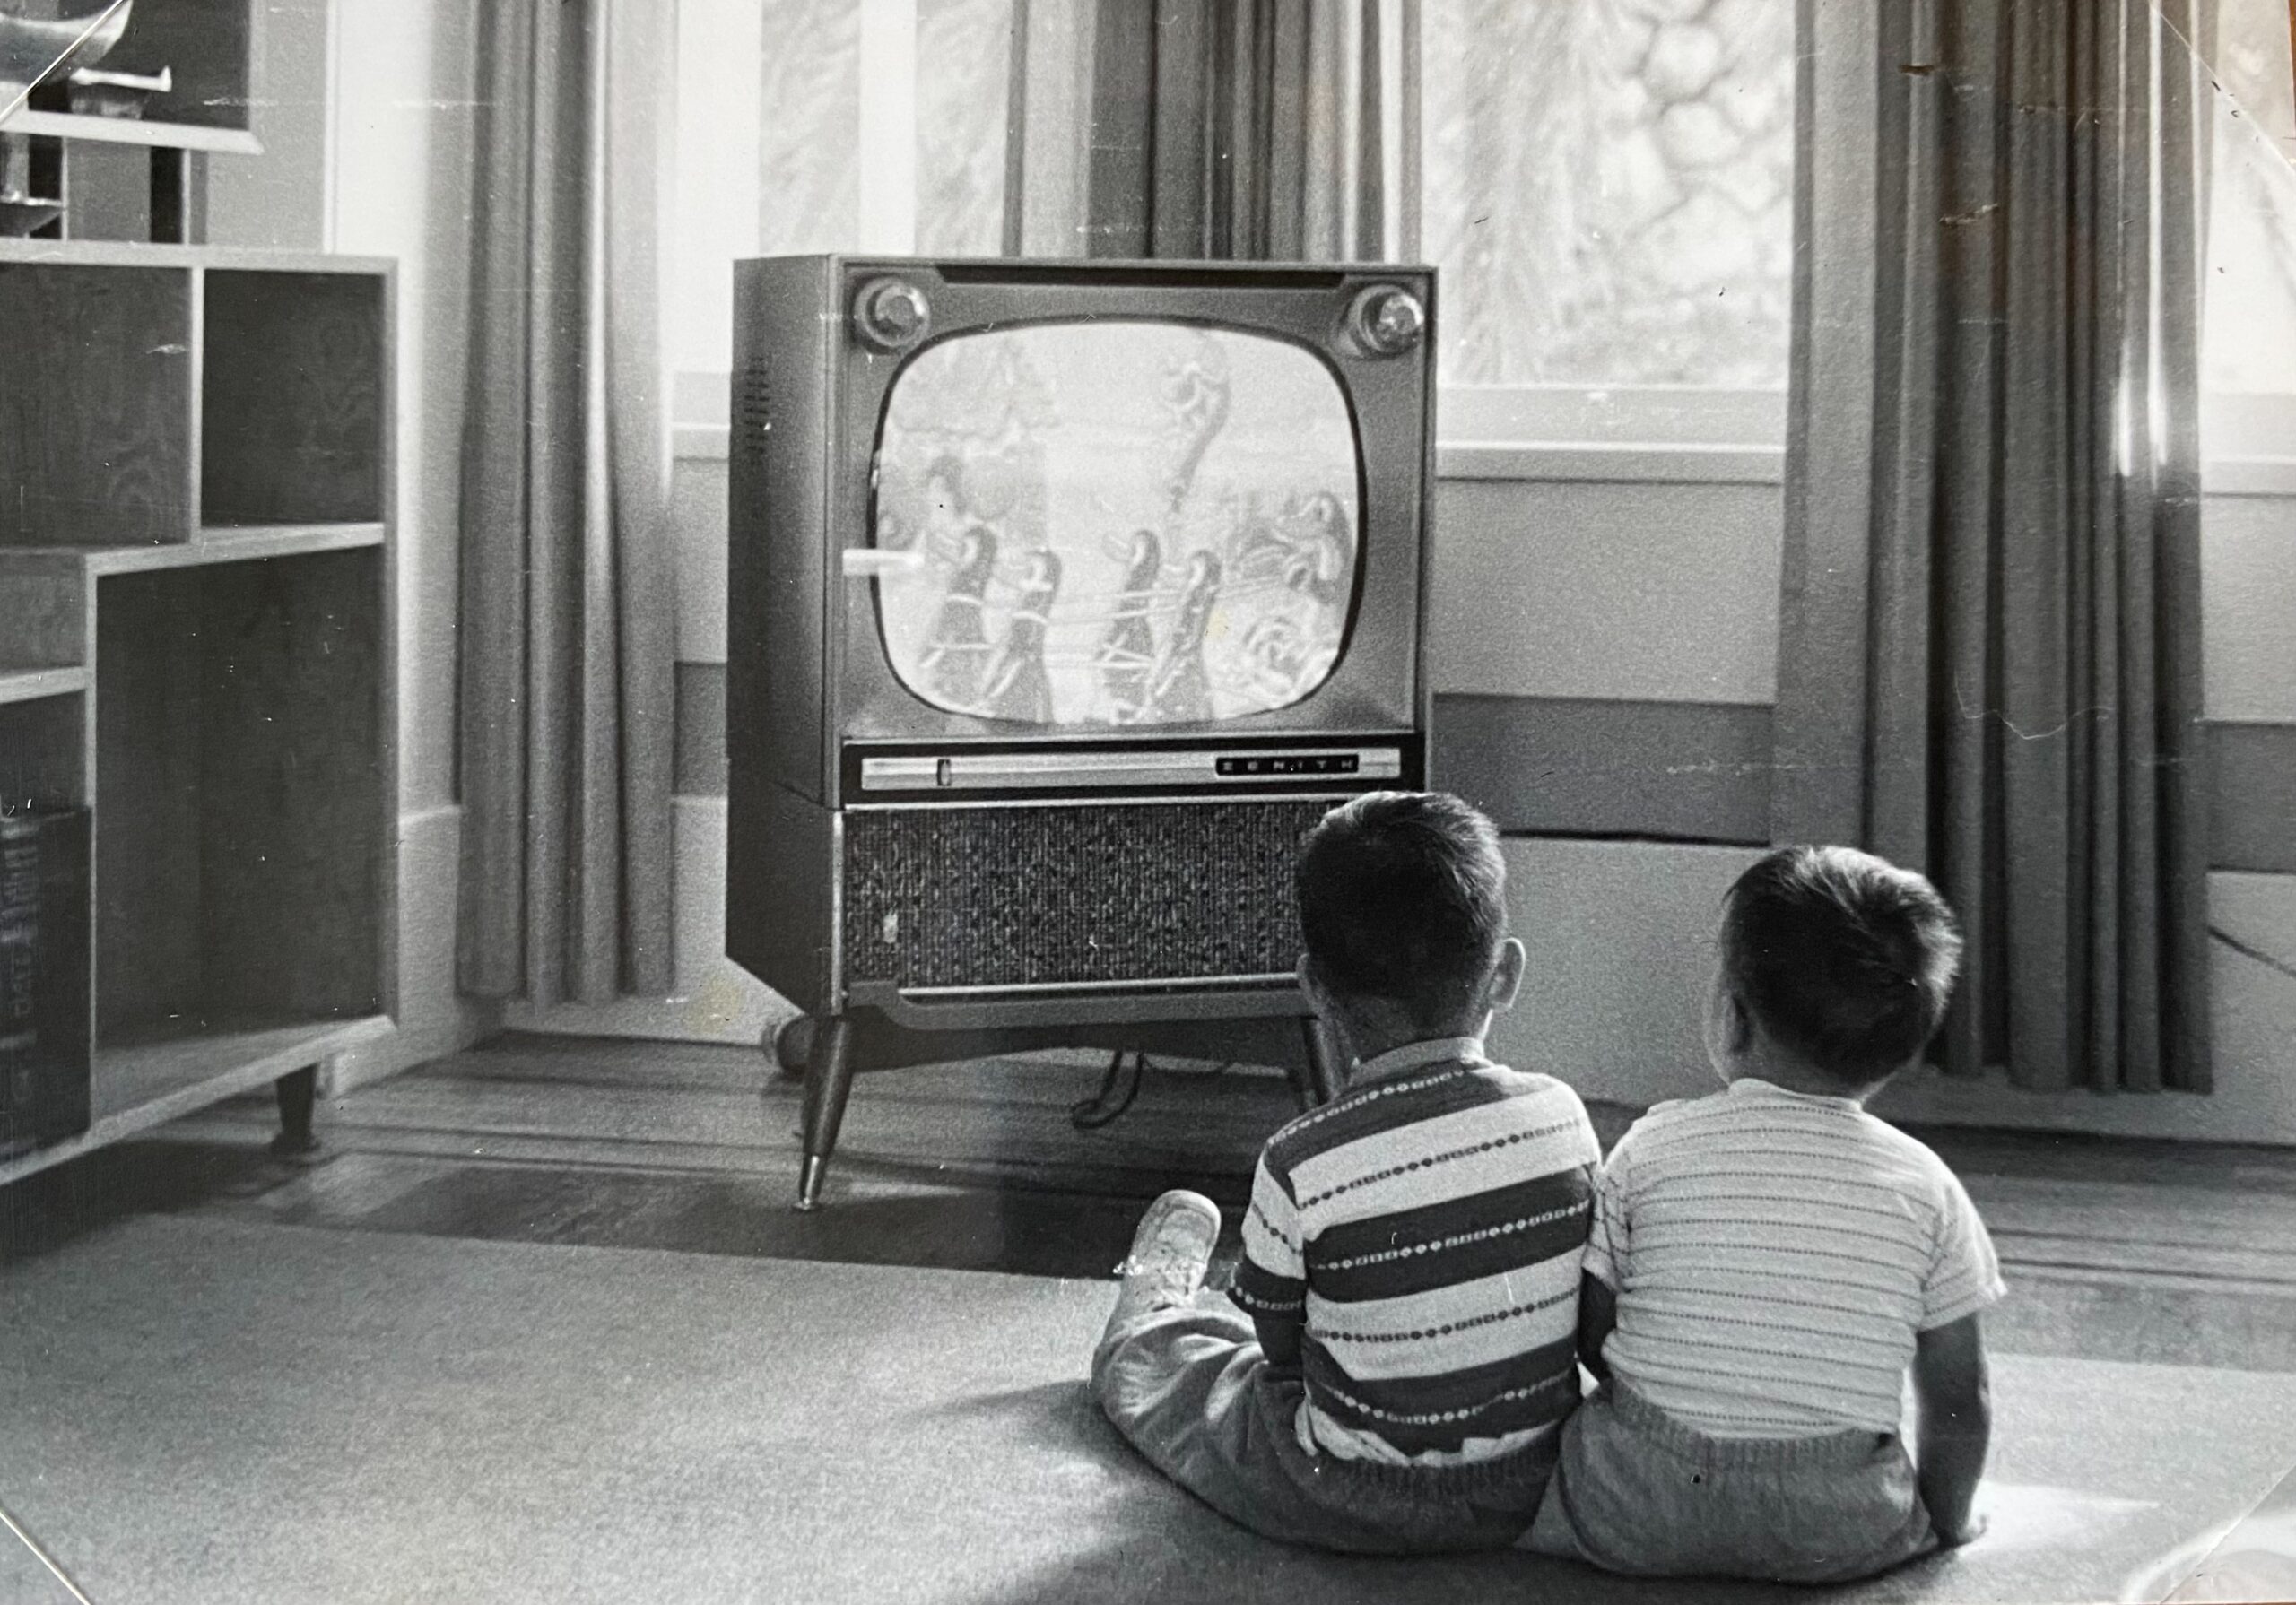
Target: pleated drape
{"type": "Point", "coordinates": [1257, 129]}
{"type": "Point", "coordinates": [1989, 660]}
{"type": "Point", "coordinates": [566, 641]}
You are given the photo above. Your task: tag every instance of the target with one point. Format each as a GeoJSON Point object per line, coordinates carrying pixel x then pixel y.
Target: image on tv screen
{"type": "Point", "coordinates": [1114, 523]}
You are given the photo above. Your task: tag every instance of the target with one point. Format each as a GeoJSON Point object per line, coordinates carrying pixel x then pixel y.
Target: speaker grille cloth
{"type": "Point", "coordinates": [1009, 897]}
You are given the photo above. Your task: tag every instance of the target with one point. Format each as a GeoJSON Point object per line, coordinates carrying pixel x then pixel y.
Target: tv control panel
{"type": "Point", "coordinates": [914, 775]}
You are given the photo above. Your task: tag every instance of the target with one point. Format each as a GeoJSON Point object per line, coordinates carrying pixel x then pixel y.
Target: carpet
{"type": "Point", "coordinates": [204, 1409]}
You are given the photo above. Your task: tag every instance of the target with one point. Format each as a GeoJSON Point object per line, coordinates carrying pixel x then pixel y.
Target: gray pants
{"type": "Point", "coordinates": [1190, 1389]}
{"type": "Point", "coordinates": [1636, 1491]}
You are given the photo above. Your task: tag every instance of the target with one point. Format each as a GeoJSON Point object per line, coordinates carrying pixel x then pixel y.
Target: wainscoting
{"type": "Point", "coordinates": [1605, 659]}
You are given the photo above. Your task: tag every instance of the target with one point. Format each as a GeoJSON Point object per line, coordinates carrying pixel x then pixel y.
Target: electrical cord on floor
{"type": "Point", "coordinates": [1090, 1114]}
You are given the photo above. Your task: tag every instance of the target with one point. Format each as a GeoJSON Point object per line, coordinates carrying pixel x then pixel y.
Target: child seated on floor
{"type": "Point", "coordinates": [1768, 1262]}
{"type": "Point", "coordinates": [1412, 1249]}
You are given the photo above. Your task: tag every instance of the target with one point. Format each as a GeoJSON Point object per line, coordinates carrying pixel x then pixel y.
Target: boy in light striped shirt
{"type": "Point", "coordinates": [1767, 1264]}
{"type": "Point", "coordinates": [1411, 1251]}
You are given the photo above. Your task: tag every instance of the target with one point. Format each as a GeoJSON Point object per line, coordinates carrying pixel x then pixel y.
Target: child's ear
{"type": "Point", "coordinates": [1506, 976]}
{"type": "Point", "coordinates": [1737, 1024]}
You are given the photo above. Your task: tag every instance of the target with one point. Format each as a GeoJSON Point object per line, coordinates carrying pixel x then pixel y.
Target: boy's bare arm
{"type": "Point", "coordinates": [1955, 1398]}
{"type": "Point", "coordinates": [1279, 1340]}
{"type": "Point", "coordinates": [1598, 1314]}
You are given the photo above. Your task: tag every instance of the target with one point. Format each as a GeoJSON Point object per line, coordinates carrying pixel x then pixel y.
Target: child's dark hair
{"type": "Point", "coordinates": [1845, 960]}
{"type": "Point", "coordinates": [1403, 896]}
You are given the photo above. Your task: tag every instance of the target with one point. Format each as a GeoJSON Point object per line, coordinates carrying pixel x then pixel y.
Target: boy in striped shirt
{"type": "Point", "coordinates": [1768, 1262]}
{"type": "Point", "coordinates": [1412, 1252]}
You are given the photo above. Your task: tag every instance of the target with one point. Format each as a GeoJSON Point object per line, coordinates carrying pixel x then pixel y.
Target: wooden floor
{"type": "Point", "coordinates": [2172, 1253]}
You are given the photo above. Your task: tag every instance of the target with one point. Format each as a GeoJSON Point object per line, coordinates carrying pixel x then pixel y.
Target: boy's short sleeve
{"type": "Point", "coordinates": [1610, 1238]}
{"type": "Point", "coordinates": [1964, 1272]}
{"type": "Point", "coordinates": [1272, 1277]}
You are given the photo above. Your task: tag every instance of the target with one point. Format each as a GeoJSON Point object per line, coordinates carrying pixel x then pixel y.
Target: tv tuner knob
{"type": "Point", "coordinates": [1387, 320]}
{"type": "Point", "coordinates": [891, 314]}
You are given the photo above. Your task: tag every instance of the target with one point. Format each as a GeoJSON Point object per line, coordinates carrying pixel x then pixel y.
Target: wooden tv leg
{"type": "Point", "coordinates": [298, 1091]}
{"type": "Point", "coordinates": [1301, 1073]}
{"type": "Point", "coordinates": [1327, 1059]}
{"type": "Point", "coordinates": [829, 1078]}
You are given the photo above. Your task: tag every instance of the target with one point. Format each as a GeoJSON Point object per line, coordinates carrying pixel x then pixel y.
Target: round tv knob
{"type": "Point", "coordinates": [891, 314]}
{"type": "Point", "coordinates": [1388, 320]}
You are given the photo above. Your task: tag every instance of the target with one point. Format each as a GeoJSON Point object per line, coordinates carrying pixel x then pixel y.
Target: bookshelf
{"type": "Point", "coordinates": [197, 644]}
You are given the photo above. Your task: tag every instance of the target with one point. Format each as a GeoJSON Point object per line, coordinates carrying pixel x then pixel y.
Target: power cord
{"type": "Point", "coordinates": [1091, 1114]}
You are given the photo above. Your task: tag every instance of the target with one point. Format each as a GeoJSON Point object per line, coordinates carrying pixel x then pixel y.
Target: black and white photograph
{"type": "Point", "coordinates": [1165, 801]}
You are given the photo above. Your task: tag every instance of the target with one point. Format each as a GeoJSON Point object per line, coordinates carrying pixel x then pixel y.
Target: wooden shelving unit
{"type": "Point", "coordinates": [196, 642]}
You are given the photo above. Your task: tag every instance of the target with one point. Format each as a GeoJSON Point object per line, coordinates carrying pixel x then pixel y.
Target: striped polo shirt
{"type": "Point", "coordinates": [1426, 1229]}
{"type": "Point", "coordinates": [1774, 1254]}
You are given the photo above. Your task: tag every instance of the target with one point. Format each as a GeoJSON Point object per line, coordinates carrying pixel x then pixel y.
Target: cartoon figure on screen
{"type": "Point", "coordinates": [959, 649]}
{"type": "Point", "coordinates": [946, 510]}
{"type": "Point", "coordinates": [1017, 686]}
{"type": "Point", "coordinates": [1323, 552]}
{"type": "Point", "coordinates": [1279, 665]}
{"type": "Point", "coordinates": [1197, 392]}
{"type": "Point", "coordinates": [1179, 692]}
{"type": "Point", "coordinates": [1127, 652]}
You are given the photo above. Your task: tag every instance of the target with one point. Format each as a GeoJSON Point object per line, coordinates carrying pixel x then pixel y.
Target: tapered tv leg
{"type": "Point", "coordinates": [297, 1091]}
{"type": "Point", "coordinates": [829, 1078]}
{"type": "Point", "coordinates": [1327, 1059]}
{"type": "Point", "coordinates": [1301, 1073]}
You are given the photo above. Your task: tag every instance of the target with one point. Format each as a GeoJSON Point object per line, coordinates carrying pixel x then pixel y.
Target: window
{"type": "Point", "coordinates": [785, 145]}
{"type": "Point", "coordinates": [2251, 298]}
{"type": "Point", "coordinates": [1608, 189]}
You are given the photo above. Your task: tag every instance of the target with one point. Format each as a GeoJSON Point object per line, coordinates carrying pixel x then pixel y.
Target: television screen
{"type": "Point", "coordinates": [1114, 523]}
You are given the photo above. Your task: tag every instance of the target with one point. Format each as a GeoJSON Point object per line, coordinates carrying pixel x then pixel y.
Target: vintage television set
{"type": "Point", "coordinates": [1062, 597]}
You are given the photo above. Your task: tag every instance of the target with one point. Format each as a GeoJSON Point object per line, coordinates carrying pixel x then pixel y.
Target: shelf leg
{"type": "Point", "coordinates": [1327, 1059]}
{"type": "Point", "coordinates": [298, 1091]}
{"type": "Point", "coordinates": [829, 1078]}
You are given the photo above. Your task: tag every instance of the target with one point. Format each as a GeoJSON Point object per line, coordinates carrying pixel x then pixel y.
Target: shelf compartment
{"type": "Point", "coordinates": [241, 781]}
{"type": "Point", "coordinates": [292, 399]}
{"type": "Point", "coordinates": [173, 1067]}
{"type": "Point", "coordinates": [162, 1074]}
{"type": "Point", "coordinates": [205, 46]}
{"type": "Point", "coordinates": [98, 449]}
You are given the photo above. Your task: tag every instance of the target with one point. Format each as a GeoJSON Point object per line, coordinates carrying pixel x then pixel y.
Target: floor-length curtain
{"type": "Point", "coordinates": [1259, 129]}
{"type": "Point", "coordinates": [1989, 660]}
{"type": "Point", "coordinates": [566, 640]}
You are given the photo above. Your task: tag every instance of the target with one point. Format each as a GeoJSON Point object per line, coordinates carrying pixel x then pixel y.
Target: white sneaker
{"type": "Point", "coordinates": [1172, 1249]}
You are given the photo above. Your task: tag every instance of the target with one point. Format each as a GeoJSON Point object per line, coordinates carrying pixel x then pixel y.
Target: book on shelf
{"type": "Point", "coordinates": [44, 1093]}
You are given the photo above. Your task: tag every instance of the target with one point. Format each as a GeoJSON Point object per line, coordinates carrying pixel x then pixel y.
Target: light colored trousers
{"type": "Point", "coordinates": [1636, 1491]}
{"type": "Point", "coordinates": [1188, 1386]}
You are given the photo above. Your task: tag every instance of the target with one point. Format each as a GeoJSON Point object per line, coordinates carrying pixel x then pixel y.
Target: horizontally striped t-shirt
{"type": "Point", "coordinates": [1426, 1228]}
{"type": "Point", "coordinates": [1774, 1254]}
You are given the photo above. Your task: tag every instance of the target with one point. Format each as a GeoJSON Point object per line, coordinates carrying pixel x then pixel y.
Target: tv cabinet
{"type": "Point", "coordinates": [197, 644]}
